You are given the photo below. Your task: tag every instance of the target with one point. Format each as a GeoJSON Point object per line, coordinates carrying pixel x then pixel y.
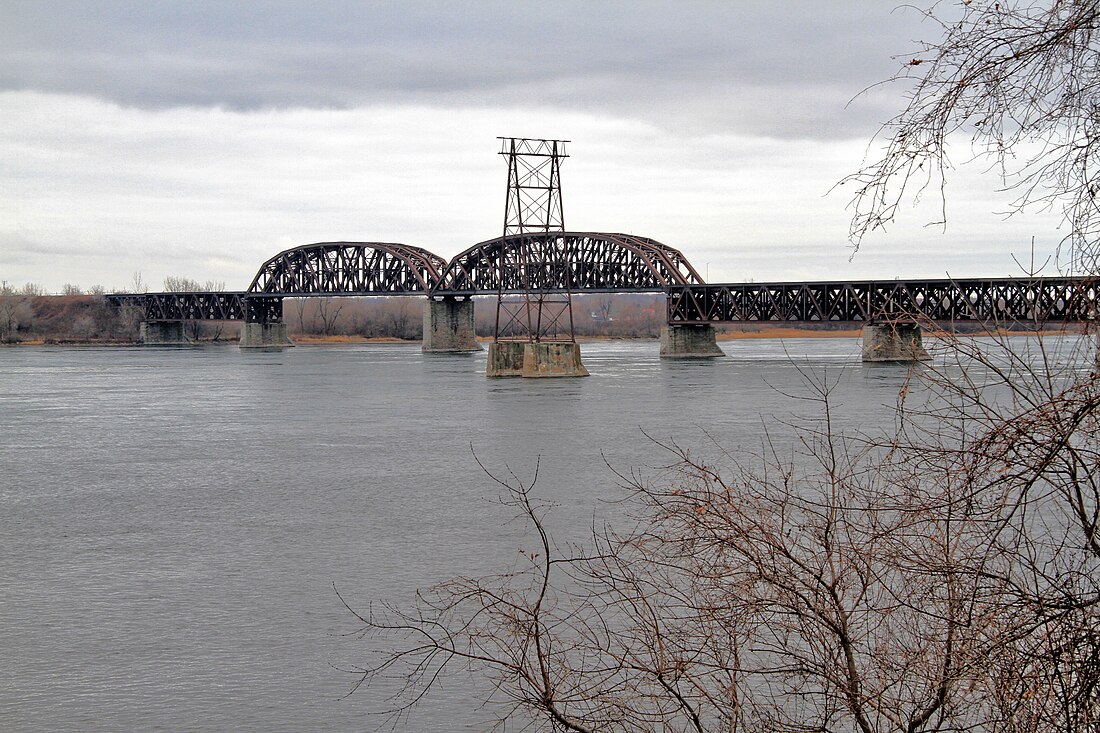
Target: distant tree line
{"type": "Point", "coordinates": [28, 313]}
{"type": "Point", "coordinates": [623, 316]}
{"type": "Point", "coordinates": [65, 318]}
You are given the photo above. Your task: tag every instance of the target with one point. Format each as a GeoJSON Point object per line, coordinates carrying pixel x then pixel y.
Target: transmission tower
{"type": "Point", "coordinates": [533, 214]}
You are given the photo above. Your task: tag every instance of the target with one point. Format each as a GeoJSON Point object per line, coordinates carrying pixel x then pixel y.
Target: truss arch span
{"type": "Point", "coordinates": [350, 268]}
{"type": "Point", "coordinates": [575, 261]}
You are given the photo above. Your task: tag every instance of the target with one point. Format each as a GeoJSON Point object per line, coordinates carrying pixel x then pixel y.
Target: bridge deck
{"type": "Point", "coordinates": [1035, 300]}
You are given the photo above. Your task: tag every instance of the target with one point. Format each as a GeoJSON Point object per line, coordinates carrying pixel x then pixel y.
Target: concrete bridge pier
{"type": "Point", "coordinates": [505, 359]}
{"type": "Point", "coordinates": [893, 342]}
{"type": "Point", "coordinates": [689, 341]}
{"type": "Point", "coordinates": [162, 333]}
{"type": "Point", "coordinates": [263, 326]}
{"type": "Point", "coordinates": [535, 359]}
{"type": "Point", "coordinates": [265, 336]}
{"type": "Point", "coordinates": [449, 325]}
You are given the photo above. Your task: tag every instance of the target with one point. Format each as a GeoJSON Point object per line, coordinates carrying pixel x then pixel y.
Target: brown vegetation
{"type": "Point", "coordinates": [621, 316]}
{"type": "Point", "coordinates": [29, 317]}
{"type": "Point", "coordinates": [65, 319]}
{"type": "Point", "coordinates": [35, 319]}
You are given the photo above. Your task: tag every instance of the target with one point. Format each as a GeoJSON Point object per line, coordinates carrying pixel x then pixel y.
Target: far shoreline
{"type": "Point", "coordinates": [770, 333]}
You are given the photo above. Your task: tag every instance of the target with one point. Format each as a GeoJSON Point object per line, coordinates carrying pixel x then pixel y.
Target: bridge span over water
{"type": "Point", "coordinates": [597, 262]}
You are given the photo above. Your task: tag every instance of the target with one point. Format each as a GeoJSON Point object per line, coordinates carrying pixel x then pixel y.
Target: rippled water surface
{"type": "Point", "coordinates": [173, 520]}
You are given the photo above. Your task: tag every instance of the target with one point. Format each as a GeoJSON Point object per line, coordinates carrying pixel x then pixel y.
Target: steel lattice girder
{"type": "Point", "coordinates": [349, 268]}
{"type": "Point", "coordinates": [216, 306]}
{"type": "Point", "coordinates": [263, 309]}
{"type": "Point", "coordinates": [1033, 300]}
{"type": "Point", "coordinates": [219, 306]}
{"type": "Point", "coordinates": [568, 261]}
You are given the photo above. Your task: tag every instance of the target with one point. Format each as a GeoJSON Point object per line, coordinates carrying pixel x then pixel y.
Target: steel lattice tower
{"type": "Point", "coordinates": [532, 212]}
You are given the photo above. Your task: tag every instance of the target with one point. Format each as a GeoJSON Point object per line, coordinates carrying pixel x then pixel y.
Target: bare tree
{"type": "Point", "coordinates": [137, 283]}
{"type": "Point", "coordinates": [603, 307]}
{"type": "Point", "coordinates": [16, 310]}
{"type": "Point", "coordinates": [174, 284]}
{"type": "Point", "coordinates": [1019, 81]}
{"type": "Point", "coordinates": [197, 330]}
{"type": "Point", "coordinates": [401, 322]}
{"type": "Point", "coordinates": [15, 313]}
{"type": "Point", "coordinates": [300, 310]}
{"type": "Point", "coordinates": [776, 597]}
{"type": "Point", "coordinates": [1018, 421]}
{"type": "Point", "coordinates": [943, 577]}
{"type": "Point", "coordinates": [946, 577]}
{"type": "Point", "coordinates": [328, 310]}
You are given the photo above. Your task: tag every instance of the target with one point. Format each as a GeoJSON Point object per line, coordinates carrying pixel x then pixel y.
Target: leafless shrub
{"type": "Point", "coordinates": [942, 577]}
{"type": "Point", "coordinates": [1021, 80]}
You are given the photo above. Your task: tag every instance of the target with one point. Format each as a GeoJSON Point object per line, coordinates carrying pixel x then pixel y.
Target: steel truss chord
{"type": "Point", "coordinates": [567, 261]}
{"type": "Point", "coordinates": [350, 268]}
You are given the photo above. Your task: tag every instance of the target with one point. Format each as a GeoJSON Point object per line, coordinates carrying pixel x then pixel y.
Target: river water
{"type": "Point", "coordinates": [173, 520]}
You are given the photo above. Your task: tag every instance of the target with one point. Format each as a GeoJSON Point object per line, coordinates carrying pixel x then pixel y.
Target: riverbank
{"type": "Point", "coordinates": [761, 334]}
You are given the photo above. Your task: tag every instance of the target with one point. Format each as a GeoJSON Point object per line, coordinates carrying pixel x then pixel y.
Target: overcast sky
{"type": "Point", "coordinates": [198, 139]}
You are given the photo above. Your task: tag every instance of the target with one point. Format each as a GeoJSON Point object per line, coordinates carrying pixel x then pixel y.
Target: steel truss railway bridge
{"type": "Point", "coordinates": [594, 262]}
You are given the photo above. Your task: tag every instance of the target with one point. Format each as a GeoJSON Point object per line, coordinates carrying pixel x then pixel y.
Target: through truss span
{"type": "Point", "coordinates": [576, 261]}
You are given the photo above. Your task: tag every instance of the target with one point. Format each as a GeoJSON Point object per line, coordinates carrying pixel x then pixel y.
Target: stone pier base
{"type": "Point", "coordinates": [162, 333]}
{"type": "Point", "coordinates": [893, 342]}
{"type": "Point", "coordinates": [264, 336]}
{"type": "Point", "coordinates": [553, 359]}
{"type": "Point", "coordinates": [449, 326]}
{"type": "Point", "coordinates": [532, 360]}
{"type": "Point", "coordinates": [683, 341]}
{"type": "Point", "coordinates": [505, 359]}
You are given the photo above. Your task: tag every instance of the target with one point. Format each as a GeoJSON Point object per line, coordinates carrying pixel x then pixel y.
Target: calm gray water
{"type": "Point", "coordinates": [173, 519]}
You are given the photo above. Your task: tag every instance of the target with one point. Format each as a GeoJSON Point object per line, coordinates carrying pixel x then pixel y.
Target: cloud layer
{"type": "Point", "coordinates": [94, 191]}
{"type": "Point", "coordinates": [197, 139]}
{"type": "Point", "coordinates": [779, 69]}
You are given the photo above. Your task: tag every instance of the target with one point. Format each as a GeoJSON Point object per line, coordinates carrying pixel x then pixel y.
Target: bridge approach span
{"type": "Point", "coordinates": [1023, 300]}
{"type": "Point", "coordinates": [202, 306]}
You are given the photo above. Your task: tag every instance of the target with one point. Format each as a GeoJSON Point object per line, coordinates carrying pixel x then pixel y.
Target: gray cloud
{"type": "Point", "coordinates": [783, 69]}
